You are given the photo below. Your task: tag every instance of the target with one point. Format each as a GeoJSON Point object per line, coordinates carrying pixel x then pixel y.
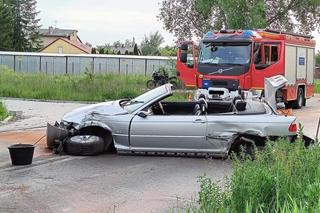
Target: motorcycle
{"type": "Point", "coordinates": [159, 79]}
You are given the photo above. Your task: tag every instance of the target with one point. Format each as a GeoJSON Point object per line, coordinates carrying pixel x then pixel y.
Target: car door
{"type": "Point", "coordinates": [168, 132]}
{"type": "Point", "coordinates": [221, 131]}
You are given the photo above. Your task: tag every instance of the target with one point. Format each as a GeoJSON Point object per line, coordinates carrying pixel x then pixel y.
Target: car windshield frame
{"type": "Point", "coordinates": [135, 104]}
{"type": "Point", "coordinates": [225, 53]}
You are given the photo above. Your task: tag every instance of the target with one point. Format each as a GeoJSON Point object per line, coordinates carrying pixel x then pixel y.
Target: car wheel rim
{"type": "Point", "coordinates": [151, 84]}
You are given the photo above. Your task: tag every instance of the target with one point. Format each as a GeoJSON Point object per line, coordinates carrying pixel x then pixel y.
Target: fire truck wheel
{"type": "Point", "coordinates": [151, 84]}
{"type": "Point", "coordinates": [300, 99]}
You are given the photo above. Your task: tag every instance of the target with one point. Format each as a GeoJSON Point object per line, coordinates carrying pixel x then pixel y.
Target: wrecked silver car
{"type": "Point", "coordinates": [151, 125]}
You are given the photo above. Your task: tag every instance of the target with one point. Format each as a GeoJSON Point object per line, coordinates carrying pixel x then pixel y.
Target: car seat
{"type": "Point", "coordinates": [201, 107]}
{"type": "Point", "coordinates": [239, 103]}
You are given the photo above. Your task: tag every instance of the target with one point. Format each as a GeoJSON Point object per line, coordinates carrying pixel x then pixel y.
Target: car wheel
{"type": "Point", "coordinates": [289, 105]}
{"type": "Point", "coordinates": [300, 99]}
{"type": "Point", "coordinates": [151, 84]}
{"type": "Point", "coordinates": [84, 145]}
{"type": "Point", "coordinates": [243, 148]}
{"type": "Point", "coordinates": [248, 150]}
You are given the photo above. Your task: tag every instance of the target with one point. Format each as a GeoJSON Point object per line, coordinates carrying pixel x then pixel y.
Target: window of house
{"type": "Point", "coordinates": [60, 49]}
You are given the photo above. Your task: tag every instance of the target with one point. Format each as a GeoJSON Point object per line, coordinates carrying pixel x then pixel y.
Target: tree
{"type": "Point", "coordinates": [242, 14]}
{"type": "Point", "coordinates": [135, 50]}
{"type": "Point", "coordinates": [181, 18]}
{"type": "Point", "coordinates": [6, 25]}
{"type": "Point", "coordinates": [187, 18]}
{"type": "Point", "coordinates": [26, 35]}
{"type": "Point", "coordinates": [150, 44]}
{"type": "Point", "coordinates": [169, 51]}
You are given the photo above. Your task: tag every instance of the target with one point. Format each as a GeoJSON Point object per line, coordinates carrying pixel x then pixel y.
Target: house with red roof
{"type": "Point", "coordinates": [65, 41]}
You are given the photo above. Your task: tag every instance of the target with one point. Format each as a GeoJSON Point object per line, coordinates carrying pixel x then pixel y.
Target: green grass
{"type": "Point", "coordinates": [3, 111]}
{"type": "Point", "coordinates": [317, 86]}
{"type": "Point", "coordinates": [85, 87]}
{"type": "Point", "coordinates": [284, 177]}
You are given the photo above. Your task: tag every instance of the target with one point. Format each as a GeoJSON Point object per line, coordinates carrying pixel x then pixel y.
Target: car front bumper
{"type": "Point", "coordinates": [55, 133]}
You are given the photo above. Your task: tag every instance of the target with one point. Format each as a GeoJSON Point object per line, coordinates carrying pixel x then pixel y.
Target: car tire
{"type": "Point", "coordinates": [248, 150]}
{"type": "Point", "coordinates": [151, 84]}
{"type": "Point", "coordinates": [298, 104]}
{"type": "Point", "coordinates": [84, 145]}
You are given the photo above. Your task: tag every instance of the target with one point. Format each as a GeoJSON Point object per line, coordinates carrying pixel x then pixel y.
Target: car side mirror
{"type": "Point", "coordinates": [183, 56]}
{"type": "Point", "coordinates": [142, 114]}
{"type": "Point", "coordinates": [184, 53]}
{"type": "Point", "coordinates": [190, 65]}
{"type": "Point", "coordinates": [184, 47]}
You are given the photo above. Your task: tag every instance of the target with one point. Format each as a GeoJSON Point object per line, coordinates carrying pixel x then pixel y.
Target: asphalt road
{"type": "Point", "coordinates": [309, 116]}
{"type": "Point", "coordinates": [105, 183]}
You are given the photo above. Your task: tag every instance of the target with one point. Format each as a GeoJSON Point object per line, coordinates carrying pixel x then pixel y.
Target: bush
{"type": "Point", "coordinates": [3, 111]}
{"type": "Point", "coordinates": [317, 86]}
{"type": "Point", "coordinates": [284, 177]}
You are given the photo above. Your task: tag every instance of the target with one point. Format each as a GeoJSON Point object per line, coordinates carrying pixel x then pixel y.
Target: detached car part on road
{"type": "Point", "coordinates": [150, 125]}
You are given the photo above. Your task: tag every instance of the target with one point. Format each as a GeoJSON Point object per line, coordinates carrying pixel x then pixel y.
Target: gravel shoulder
{"type": "Point", "coordinates": [36, 113]}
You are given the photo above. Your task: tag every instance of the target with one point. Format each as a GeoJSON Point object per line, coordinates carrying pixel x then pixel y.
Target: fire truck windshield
{"type": "Point", "coordinates": [225, 54]}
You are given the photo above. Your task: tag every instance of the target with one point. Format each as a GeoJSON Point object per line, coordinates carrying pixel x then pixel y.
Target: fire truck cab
{"type": "Point", "coordinates": [235, 59]}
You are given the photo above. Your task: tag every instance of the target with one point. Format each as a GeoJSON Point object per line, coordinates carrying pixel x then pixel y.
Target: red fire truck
{"type": "Point", "coordinates": [244, 58]}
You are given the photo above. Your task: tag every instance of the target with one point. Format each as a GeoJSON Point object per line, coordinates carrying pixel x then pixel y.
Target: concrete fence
{"type": "Point", "coordinates": [75, 64]}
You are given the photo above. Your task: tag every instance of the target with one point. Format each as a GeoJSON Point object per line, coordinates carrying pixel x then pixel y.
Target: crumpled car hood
{"type": "Point", "coordinates": [105, 109]}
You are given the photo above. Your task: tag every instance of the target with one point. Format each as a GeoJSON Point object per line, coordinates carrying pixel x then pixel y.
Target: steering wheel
{"type": "Point", "coordinates": [157, 108]}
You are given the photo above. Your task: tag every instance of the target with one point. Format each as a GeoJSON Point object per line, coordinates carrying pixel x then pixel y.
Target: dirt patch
{"type": "Point", "coordinates": [27, 137]}
{"type": "Point", "coordinates": [15, 188]}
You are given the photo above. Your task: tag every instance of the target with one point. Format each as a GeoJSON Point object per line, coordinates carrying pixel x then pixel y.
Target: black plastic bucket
{"type": "Point", "coordinates": [21, 154]}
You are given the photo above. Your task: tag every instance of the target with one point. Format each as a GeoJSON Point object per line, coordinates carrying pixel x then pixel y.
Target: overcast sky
{"type": "Point", "coordinates": [106, 21]}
